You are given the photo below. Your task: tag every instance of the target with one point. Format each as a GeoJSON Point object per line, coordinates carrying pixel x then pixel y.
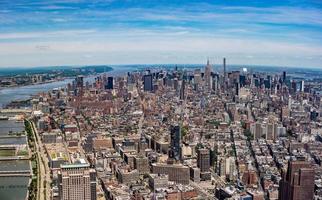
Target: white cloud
{"type": "Point", "coordinates": [161, 35]}
{"type": "Point", "coordinates": [45, 34]}
{"type": "Point", "coordinates": [126, 49]}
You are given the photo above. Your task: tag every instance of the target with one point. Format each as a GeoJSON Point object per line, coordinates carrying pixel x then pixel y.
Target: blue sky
{"type": "Point", "coordinates": [80, 32]}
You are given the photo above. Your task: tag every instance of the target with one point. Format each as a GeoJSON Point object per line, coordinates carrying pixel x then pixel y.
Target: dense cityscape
{"type": "Point", "coordinates": [172, 133]}
{"type": "Point", "coordinates": [160, 100]}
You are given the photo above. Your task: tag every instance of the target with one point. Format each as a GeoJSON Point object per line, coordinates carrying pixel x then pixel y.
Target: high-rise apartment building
{"type": "Point", "coordinates": [147, 81]}
{"type": "Point", "coordinates": [175, 144]}
{"type": "Point", "coordinates": [77, 182]}
{"type": "Point", "coordinates": [258, 130]}
{"type": "Point", "coordinates": [270, 131]}
{"type": "Point", "coordinates": [297, 182]}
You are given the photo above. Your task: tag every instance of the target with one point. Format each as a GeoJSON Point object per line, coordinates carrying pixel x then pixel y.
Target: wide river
{"type": "Point", "coordinates": [15, 188]}
{"type": "Point", "coordinates": [24, 92]}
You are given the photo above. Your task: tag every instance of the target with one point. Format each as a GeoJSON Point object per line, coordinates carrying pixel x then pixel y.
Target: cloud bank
{"type": "Point", "coordinates": [62, 32]}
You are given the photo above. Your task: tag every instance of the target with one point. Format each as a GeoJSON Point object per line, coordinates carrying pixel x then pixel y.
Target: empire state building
{"type": "Point", "coordinates": [208, 78]}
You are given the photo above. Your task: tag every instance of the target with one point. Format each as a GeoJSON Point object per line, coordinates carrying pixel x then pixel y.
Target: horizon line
{"type": "Point", "coordinates": [174, 64]}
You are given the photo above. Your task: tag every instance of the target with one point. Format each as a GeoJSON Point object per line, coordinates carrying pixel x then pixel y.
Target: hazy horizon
{"type": "Point", "coordinates": [215, 65]}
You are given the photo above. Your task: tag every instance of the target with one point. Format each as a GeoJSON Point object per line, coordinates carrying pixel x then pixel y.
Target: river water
{"type": "Point", "coordinates": [20, 93]}
{"type": "Point", "coordinates": [15, 188]}
{"type": "Point", "coordinates": [24, 92]}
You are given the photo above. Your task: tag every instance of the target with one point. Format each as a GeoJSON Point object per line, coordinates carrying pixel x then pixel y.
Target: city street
{"type": "Point", "coordinates": [44, 190]}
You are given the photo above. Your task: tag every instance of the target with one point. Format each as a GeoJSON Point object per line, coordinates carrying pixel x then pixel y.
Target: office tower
{"type": "Point", "coordinates": [257, 82]}
{"type": "Point", "coordinates": [258, 130]}
{"type": "Point", "coordinates": [237, 89]}
{"type": "Point", "coordinates": [77, 182]}
{"type": "Point", "coordinates": [215, 83]}
{"type": "Point", "coordinates": [281, 131]}
{"type": "Point", "coordinates": [302, 85]}
{"type": "Point", "coordinates": [270, 131]}
{"type": "Point", "coordinates": [69, 87]}
{"type": "Point", "coordinates": [203, 160]}
{"type": "Point", "coordinates": [242, 80]}
{"type": "Point", "coordinates": [148, 86]}
{"type": "Point", "coordinates": [284, 77]}
{"type": "Point", "coordinates": [267, 83]}
{"type": "Point", "coordinates": [293, 87]}
{"type": "Point", "coordinates": [175, 143]}
{"type": "Point", "coordinates": [298, 182]}
{"type": "Point", "coordinates": [176, 84]}
{"type": "Point", "coordinates": [275, 130]}
{"type": "Point", "coordinates": [79, 81]}
{"type": "Point", "coordinates": [225, 73]}
{"type": "Point", "coordinates": [289, 104]}
{"type": "Point", "coordinates": [264, 130]}
{"type": "Point", "coordinates": [79, 86]}
{"type": "Point", "coordinates": [182, 90]}
{"type": "Point", "coordinates": [208, 75]}
{"type": "Point", "coordinates": [109, 84]}
{"type": "Point", "coordinates": [231, 168]}
{"type": "Point", "coordinates": [224, 63]}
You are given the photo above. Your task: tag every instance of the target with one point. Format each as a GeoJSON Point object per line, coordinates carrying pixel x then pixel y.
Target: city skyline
{"type": "Point", "coordinates": [165, 133]}
{"type": "Point", "coordinates": [62, 32]}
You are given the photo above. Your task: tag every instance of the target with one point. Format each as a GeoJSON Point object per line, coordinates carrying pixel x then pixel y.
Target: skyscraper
{"type": "Point", "coordinates": [293, 88]}
{"type": "Point", "coordinates": [208, 75]}
{"type": "Point", "coordinates": [182, 90]}
{"type": "Point", "coordinates": [258, 130]}
{"type": "Point", "coordinates": [270, 131]}
{"type": "Point", "coordinates": [175, 143]}
{"type": "Point", "coordinates": [242, 80]}
{"type": "Point", "coordinates": [79, 81]}
{"type": "Point", "coordinates": [298, 182]}
{"type": "Point", "coordinates": [147, 81]}
{"type": "Point", "coordinates": [237, 87]}
{"type": "Point", "coordinates": [203, 160]}
{"type": "Point", "coordinates": [302, 85]}
{"type": "Point", "coordinates": [77, 182]}
{"type": "Point", "coordinates": [79, 86]}
{"type": "Point", "coordinates": [225, 74]}
{"type": "Point", "coordinates": [109, 84]}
